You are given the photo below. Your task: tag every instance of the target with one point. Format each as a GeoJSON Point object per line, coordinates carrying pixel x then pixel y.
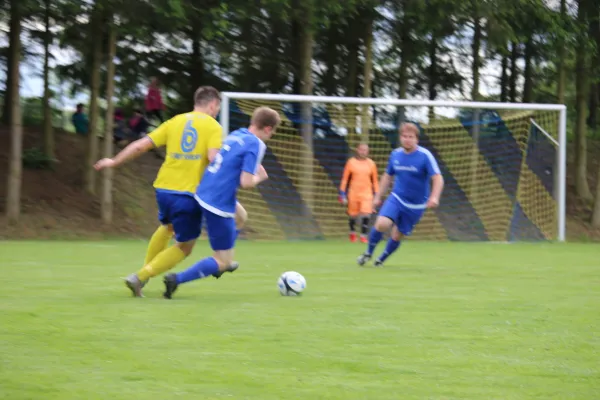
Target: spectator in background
{"type": "Point", "coordinates": [119, 128]}
{"type": "Point", "coordinates": [138, 124]}
{"type": "Point", "coordinates": [154, 103]}
{"type": "Point", "coordinates": [80, 121]}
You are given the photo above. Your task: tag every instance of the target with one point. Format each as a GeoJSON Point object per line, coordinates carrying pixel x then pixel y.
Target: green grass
{"type": "Point", "coordinates": [440, 321]}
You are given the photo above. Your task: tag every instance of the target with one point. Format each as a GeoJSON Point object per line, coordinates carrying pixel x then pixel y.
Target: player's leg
{"type": "Point", "coordinates": [185, 215]}
{"type": "Point", "coordinates": [162, 236]}
{"type": "Point", "coordinates": [405, 224]}
{"type": "Point", "coordinates": [383, 223]}
{"type": "Point", "coordinates": [241, 216]}
{"type": "Point", "coordinates": [366, 209]}
{"type": "Point", "coordinates": [353, 211]}
{"type": "Point", "coordinates": [391, 246]}
{"type": "Point", "coordinates": [222, 236]}
{"type": "Point", "coordinates": [159, 241]}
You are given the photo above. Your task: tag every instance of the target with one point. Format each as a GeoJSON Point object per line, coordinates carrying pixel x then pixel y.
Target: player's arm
{"type": "Point", "coordinates": [212, 153]}
{"type": "Point", "coordinates": [437, 182]}
{"type": "Point", "coordinates": [343, 198]}
{"type": "Point", "coordinates": [156, 138]}
{"type": "Point", "coordinates": [375, 179]}
{"type": "Point", "coordinates": [437, 185]}
{"type": "Point", "coordinates": [249, 180]}
{"type": "Point", "coordinates": [215, 141]}
{"type": "Point", "coordinates": [253, 172]}
{"type": "Point", "coordinates": [384, 182]}
{"type": "Point", "coordinates": [132, 151]}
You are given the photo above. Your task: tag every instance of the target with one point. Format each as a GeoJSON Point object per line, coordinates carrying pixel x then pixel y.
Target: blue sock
{"type": "Point", "coordinates": [201, 269]}
{"type": "Point", "coordinates": [390, 247]}
{"type": "Point", "coordinates": [374, 238]}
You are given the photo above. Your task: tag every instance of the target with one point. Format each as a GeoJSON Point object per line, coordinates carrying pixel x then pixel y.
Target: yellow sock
{"type": "Point", "coordinates": [164, 261]}
{"type": "Point", "coordinates": [158, 242]}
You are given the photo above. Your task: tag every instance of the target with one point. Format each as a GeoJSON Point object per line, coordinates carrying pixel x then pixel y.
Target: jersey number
{"type": "Point", "coordinates": [216, 164]}
{"type": "Point", "coordinates": [189, 138]}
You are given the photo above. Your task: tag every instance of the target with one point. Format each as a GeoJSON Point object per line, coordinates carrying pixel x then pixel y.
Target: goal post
{"type": "Point", "coordinates": [504, 164]}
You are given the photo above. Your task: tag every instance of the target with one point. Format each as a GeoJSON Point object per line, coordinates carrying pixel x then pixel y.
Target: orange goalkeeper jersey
{"type": "Point", "coordinates": [360, 178]}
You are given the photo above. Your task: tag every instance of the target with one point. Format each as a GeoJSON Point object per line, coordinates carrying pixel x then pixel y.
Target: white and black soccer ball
{"type": "Point", "coordinates": [291, 284]}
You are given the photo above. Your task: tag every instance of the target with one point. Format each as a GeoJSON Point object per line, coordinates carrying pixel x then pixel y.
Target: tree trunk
{"type": "Point", "coordinates": [402, 88]}
{"type": "Point", "coordinates": [594, 32]}
{"type": "Point", "coordinates": [15, 166]}
{"type": "Point", "coordinates": [92, 153]}
{"type": "Point", "coordinates": [278, 66]}
{"type": "Point", "coordinates": [48, 131]}
{"type": "Point", "coordinates": [405, 57]}
{"type": "Point", "coordinates": [367, 77]}
{"type": "Point", "coordinates": [581, 87]}
{"type": "Point", "coordinates": [246, 79]}
{"type": "Point", "coordinates": [514, 72]}
{"type": "Point", "coordinates": [476, 45]}
{"type": "Point", "coordinates": [354, 30]}
{"type": "Point", "coordinates": [562, 54]}
{"type": "Point", "coordinates": [352, 70]}
{"type": "Point", "coordinates": [432, 82]}
{"type": "Point", "coordinates": [305, 10]}
{"type": "Point", "coordinates": [197, 64]}
{"type": "Point", "coordinates": [331, 58]}
{"type": "Point", "coordinates": [296, 29]}
{"type": "Point", "coordinates": [368, 67]}
{"type": "Point", "coordinates": [504, 78]}
{"type": "Point", "coordinates": [528, 73]}
{"type": "Point", "coordinates": [594, 103]}
{"type": "Point", "coordinates": [12, 43]}
{"type": "Point", "coordinates": [106, 200]}
{"type": "Point", "coordinates": [596, 213]}
{"type": "Point", "coordinates": [475, 67]}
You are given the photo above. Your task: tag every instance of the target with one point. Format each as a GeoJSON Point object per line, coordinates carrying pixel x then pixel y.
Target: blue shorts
{"type": "Point", "coordinates": [221, 231]}
{"type": "Point", "coordinates": [403, 217]}
{"type": "Point", "coordinates": [181, 211]}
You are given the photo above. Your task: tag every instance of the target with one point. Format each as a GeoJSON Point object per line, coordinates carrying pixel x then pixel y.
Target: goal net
{"type": "Point", "coordinates": [502, 164]}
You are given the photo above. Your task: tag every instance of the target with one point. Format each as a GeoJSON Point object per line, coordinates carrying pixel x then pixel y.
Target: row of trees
{"type": "Point", "coordinates": [399, 48]}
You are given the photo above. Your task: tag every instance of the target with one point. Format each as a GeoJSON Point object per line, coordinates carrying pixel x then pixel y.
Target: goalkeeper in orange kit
{"type": "Point", "coordinates": [359, 185]}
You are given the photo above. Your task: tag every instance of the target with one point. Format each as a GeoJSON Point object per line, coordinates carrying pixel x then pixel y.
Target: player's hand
{"type": "Point", "coordinates": [433, 202]}
{"type": "Point", "coordinates": [376, 202]}
{"type": "Point", "coordinates": [104, 163]}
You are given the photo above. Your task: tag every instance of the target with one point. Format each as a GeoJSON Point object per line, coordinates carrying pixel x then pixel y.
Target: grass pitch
{"type": "Point", "coordinates": [440, 321]}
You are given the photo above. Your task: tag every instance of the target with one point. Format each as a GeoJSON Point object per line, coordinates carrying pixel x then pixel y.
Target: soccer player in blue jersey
{"type": "Point", "coordinates": [192, 141]}
{"type": "Point", "coordinates": [238, 164]}
{"type": "Point", "coordinates": [418, 185]}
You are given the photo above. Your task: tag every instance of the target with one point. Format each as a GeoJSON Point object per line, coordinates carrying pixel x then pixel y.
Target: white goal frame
{"type": "Point", "coordinates": [561, 176]}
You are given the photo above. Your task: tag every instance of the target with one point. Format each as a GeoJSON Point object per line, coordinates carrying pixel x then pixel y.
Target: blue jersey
{"type": "Point", "coordinates": [412, 176]}
{"type": "Point", "coordinates": [241, 152]}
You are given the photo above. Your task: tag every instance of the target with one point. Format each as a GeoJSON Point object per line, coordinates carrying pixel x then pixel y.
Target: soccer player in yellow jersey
{"type": "Point", "coordinates": [192, 141]}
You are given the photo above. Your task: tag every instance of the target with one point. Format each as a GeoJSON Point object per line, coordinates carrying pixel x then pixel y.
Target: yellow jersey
{"type": "Point", "coordinates": [187, 138]}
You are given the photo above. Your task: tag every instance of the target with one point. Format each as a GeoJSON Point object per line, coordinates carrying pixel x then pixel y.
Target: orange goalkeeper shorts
{"type": "Point", "coordinates": [360, 205]}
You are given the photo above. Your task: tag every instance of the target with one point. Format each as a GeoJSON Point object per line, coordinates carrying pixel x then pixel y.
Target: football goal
{"type": "Point", "coordinates": [504, 164]}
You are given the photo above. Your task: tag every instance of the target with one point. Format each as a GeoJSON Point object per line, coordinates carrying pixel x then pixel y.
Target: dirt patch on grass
{"type": "Point", "coordinates": [54, 204]}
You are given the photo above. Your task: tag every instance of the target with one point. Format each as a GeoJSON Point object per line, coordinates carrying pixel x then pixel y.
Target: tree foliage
{"type": "Point", "coordinates": [419, 48]}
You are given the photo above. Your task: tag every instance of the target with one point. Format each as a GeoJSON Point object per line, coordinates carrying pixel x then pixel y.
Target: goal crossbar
{"type": "Point", "coordinates": [391, 102]}
{"type": "Point", "coordinates": [561, 160]}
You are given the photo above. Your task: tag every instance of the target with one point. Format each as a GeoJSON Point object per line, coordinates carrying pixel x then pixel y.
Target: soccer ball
{"type": "Point", "coordinates": [291, 284]}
